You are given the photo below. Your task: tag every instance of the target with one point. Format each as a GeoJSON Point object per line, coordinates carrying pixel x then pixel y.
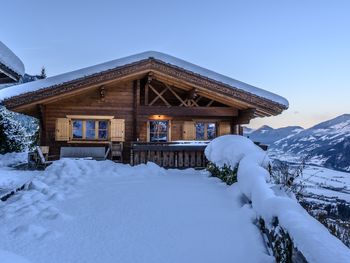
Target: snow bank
{"type": "Point", "coordinates": [10, 159]}
{"type": "Point", "coordinates": [8, 257]}
{"type": "Point", "coordinates": [309, 236]}
{"type": "Point", "coordinates": [10, 60]}
{"type": "Point", "coordinates": [77, 74]}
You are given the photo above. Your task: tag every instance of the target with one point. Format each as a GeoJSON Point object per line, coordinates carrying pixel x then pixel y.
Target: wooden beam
{"type": "Point", "coordinates": [136, 102]}
{"type": "Point", "coordinates": [42, 122]}
{"type": "Point", "coordinates": [244, 116]}
{"type": "Point", "coordinates": [176, 95]}
{"type": "Point", "coordinates": [159, 96]}
{"type": "Point", "coordinates": [185, 111]}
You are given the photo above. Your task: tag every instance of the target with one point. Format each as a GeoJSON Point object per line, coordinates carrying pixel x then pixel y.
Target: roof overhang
{"type": "Point", "coordinates": [134, 70]}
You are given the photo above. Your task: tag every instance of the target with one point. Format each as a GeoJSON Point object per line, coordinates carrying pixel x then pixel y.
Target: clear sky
{"type": "Point", "coordinates": [298, 49]}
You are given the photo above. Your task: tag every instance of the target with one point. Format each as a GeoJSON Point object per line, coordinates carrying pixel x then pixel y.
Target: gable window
{"type": "Point", "coordinates": [205, 130]}
{"type": "Point", "coordinates": [159, 130]}
{"type": "Point", "coordinates": [89, 130]}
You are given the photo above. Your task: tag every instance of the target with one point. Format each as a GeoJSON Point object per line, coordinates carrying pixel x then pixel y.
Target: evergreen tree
{"type": "Point", "coordinates": [12, 134]}
{"type": "Point", "coordinates": [43, 73]}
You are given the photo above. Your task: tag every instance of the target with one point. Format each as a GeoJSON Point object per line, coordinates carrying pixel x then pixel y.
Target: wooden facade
{"type": "Point", "coordinates": [131, 101]}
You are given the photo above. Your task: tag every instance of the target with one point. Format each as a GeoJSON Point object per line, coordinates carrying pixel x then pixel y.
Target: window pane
{"type": "Point", "coordinates": [200, 131]}
{"type": "Point", "coordinates": [78, 129]}
{"type": "Point", "coordinates": [159, 131]}
{"type": "Point", "coordinates": [211, 131]}
{"type": "Point", "coordinates": [90, 134]}
{"type": "Point", "coordinates": [102, 134]}
{"type": "Point", "coordinates": [102, 125]}
{"type": "Point", "coordinates": [90, 125]}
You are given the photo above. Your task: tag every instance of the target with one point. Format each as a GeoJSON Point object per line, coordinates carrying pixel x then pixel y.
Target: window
{"type": "Point", "coordinates": [102, 130]}
{"type": "Point", "coordinates": [205, 130]}
{"type": "Point", "coordinates": [159, 131]}
{"type": "Point", "coordinates": [90, 129]}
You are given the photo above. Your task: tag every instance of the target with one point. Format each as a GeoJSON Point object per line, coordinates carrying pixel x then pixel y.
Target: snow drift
{"type": "Point", "coordinates": [308, 235]}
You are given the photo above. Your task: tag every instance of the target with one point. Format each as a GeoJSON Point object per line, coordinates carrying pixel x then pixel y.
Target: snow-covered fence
{"type": "Point", "coordinates": [309, 236]}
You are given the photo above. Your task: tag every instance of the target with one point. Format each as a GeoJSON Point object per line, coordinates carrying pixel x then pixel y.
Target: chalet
{"type": "Point", "coordinates": [149, 104]}
{"type": "Point", "coordinates": [11, 67]}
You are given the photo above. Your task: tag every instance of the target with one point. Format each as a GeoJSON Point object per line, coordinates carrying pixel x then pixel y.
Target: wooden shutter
{"type": "Point", "coordinates": [117, 130]}
{"type": "Point", "coordinates": [62, 129]}
{"type": "Point", "coordinates": [224, 128]}
{"type": "Point", "coordinates": [189, 131]}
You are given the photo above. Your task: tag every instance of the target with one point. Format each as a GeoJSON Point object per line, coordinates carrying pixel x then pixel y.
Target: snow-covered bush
{"type": "Point", "coordinates": [225, 173]}
{"type": "Point", "coordinates": [12, 134]}
{"type": "Point", "coordinates": [309, 236]}
{"type": "Point", "coordinates": [17, 132]}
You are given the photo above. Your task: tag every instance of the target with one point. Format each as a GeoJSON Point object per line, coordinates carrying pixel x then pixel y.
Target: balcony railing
{"type": "Point", "coordinates": [169, 154]}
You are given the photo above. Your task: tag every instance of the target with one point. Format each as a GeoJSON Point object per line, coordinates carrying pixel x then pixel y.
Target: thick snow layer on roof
{"type": "Point", "coordinates": [66, 77]}
{"type": "Point", "coordinates": [10, 60]}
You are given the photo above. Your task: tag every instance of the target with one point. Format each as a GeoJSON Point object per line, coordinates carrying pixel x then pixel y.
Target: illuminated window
{"type": "Point", "coordinates": [158, 131]}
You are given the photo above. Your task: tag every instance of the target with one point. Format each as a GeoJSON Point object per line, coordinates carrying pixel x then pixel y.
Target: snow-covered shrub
{"type": "Point", "coordinates": [12, 134]}
{"type": "Point", "coordinates": [225, 173]}
{"type": "Point", "coordinates": [17, 132]}
{"type": "Point", "coordinates": [284, 175]}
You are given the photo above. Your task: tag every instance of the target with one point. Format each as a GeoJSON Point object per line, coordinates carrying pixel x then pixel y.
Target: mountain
{"type": "Point", "coordinates": [326, 144]}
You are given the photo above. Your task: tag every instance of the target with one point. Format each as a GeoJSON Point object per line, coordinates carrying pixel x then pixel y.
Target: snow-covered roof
{"type": "Point", "coordinates": [10, 60]}
{"type": "Point", "coordinates": [81, 73]}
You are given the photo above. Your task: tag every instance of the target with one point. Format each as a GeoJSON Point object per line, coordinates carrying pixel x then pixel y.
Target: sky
{"type": "Point", "coordinates": [299, 49]}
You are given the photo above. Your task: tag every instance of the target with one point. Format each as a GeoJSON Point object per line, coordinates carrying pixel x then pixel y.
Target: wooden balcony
{"type": "Point", "coordinates": [169, 154]}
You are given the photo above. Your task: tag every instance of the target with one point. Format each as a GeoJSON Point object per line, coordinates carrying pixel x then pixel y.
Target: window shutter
{"type": "Point", "coordinates": [117, 130]}
{"type": "Point", "coordinates": [62, 129]}
{"type": "Point", "coordinates": [224, 128]}
{"type": "Point", "coordinates": [189, 130]}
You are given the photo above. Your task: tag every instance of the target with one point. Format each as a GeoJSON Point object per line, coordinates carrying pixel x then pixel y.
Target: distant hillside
{"type": "Point", "coordinates": [326, 144]}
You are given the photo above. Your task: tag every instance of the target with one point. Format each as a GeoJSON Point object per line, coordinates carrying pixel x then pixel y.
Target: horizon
{"type": "Point", "coordinates": [295, 49]}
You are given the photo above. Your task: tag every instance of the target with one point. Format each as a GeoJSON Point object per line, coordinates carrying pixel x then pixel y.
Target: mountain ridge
{"type": "Point", "coordinates": [326, 143]}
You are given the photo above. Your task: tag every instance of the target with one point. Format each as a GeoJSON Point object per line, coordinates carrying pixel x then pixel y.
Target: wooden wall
{"type": "Point", "coordinates": [118, 102]}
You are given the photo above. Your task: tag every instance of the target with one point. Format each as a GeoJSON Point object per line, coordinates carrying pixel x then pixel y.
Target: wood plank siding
{"type": "Point", "coordinates": [126, 100]}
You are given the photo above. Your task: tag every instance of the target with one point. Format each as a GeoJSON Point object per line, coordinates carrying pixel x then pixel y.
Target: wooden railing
{"type": "Point", "coordinates": [169, 154]}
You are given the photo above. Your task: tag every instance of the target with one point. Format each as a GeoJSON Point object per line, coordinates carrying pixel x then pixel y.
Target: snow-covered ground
{"type": "Point", "coordinates": [88, 211]}
{"type": "Point", "coordinates": [326, 183]}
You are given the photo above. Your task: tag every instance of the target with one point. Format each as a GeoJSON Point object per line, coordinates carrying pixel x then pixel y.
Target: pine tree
{"type": "Point", "coordinates": [12, 134]}
{"type": "Point", "coordinates": [43, 73]}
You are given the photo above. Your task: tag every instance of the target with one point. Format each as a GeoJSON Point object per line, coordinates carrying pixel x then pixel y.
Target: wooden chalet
{"type": "Point", "coordinates": [11, 67]}
{"type": "Point", "coordinates": [150, 104]}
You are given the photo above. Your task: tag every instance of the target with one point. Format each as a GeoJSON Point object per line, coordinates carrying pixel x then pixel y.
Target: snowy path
{"type": "Point", "coordinates": [86, 211]}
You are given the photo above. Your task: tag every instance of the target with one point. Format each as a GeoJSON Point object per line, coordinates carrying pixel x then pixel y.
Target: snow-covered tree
{"type": "Point", "coordinates": [12, 134]}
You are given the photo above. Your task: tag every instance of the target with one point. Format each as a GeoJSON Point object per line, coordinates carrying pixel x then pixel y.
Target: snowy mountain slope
{"type": "Point", "coordinates": [268, 135]}
{"type": "Point", "coordinates": [326, 144]}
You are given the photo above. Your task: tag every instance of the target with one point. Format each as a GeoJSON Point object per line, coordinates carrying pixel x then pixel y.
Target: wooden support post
{"type": "Point", "coordinates": [43, 137]}
{"type": "Point", "coordinates": [136, 100]}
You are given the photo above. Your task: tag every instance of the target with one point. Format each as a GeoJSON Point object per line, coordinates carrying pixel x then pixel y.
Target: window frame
{"type": "Point", "coordinates": [84, 119]}
{"type": "Point", "coordinates": [168, 129]}
{"type": "Point", "coordinates": [206, 124]}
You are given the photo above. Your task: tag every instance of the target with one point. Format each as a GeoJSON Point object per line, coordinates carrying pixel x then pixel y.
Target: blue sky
{"type": "Point", "coordinates": [298, 49]}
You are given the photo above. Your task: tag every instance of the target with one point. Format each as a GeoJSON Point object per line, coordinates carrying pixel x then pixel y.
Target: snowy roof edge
{"type": "Point", "coordinates": [10, 60]}
{"type": "Point", "coordinates": [84, 72]}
